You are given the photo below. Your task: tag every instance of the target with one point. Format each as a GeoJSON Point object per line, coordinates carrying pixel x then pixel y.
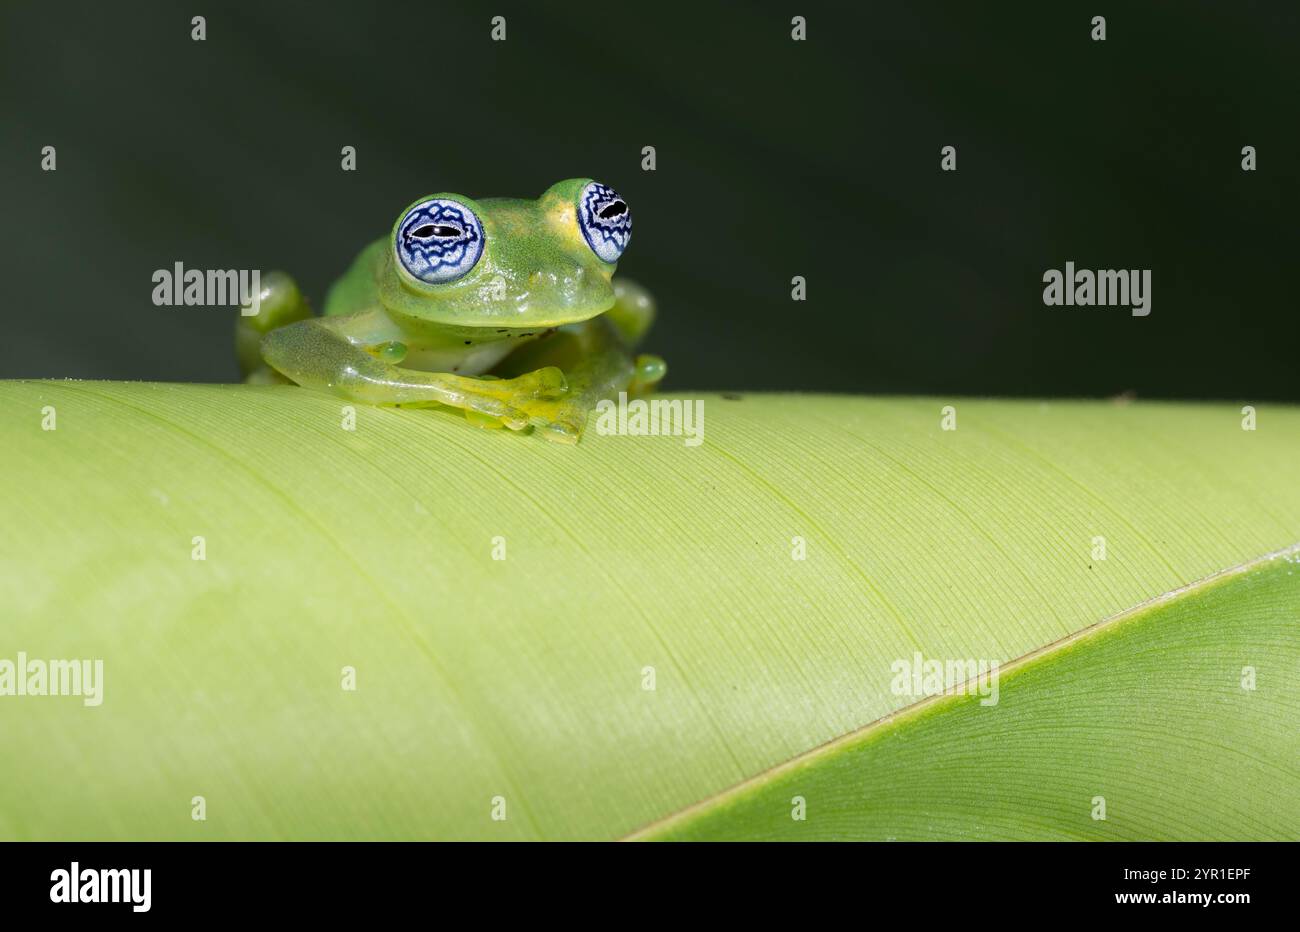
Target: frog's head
{"type": "Point", "coordinates": [503, 262]}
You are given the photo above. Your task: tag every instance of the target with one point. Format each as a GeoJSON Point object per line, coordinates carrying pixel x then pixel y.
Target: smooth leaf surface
{"type": "Point", "coordinates": [1139, 730]}
{"type": "Point", "coordinates": [523, 678]}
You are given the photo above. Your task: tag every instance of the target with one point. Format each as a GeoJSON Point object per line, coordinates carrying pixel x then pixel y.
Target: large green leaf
{"type": "Point", "coordinates": [524, 678]}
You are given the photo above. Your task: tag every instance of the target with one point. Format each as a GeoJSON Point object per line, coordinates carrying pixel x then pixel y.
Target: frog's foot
{"type": "Point", "coordinates": [604, 369]}
{"type": "Point", "coordinates": [492, 402]}
{"type": "Point", "coordinates": [557, 416]}
{"type": "Point", "coordinates": [561, 420]}
{"type": "Point", "coordinates": [279, 303]}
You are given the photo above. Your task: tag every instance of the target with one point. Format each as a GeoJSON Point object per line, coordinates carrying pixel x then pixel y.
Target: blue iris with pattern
{"type": "Point", "coordinates": [605, 219]}
{"type": "Point", "coordinates": [439, 240]}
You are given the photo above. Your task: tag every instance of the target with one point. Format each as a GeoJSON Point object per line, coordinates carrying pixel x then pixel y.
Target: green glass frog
{"type": "Point", "coordinates": [503, 308]}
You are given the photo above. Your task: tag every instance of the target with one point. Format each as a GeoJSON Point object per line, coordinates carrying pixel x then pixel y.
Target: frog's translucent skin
{"type": "Point", "coordinates": [533, 335]}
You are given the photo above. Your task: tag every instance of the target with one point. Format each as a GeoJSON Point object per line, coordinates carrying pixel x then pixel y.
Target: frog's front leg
{"type": "Point", "coordinates": [597, 364]}
{"type": "Point", "coordinates": [326, 354]}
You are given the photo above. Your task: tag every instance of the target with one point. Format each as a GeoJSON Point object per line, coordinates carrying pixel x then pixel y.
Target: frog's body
{"type": "Point", "coordinates": [504, 308]}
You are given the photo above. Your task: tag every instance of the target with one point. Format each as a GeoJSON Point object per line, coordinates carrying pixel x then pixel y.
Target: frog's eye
{"type": "Point", "coordinates": [605, 220]}
{"type": "Point", "coordinates": [439, 240]}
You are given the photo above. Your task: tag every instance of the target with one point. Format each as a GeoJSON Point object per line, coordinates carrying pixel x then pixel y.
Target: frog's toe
{"type": "Point", "coordinates": [559, 420]}
{"type": "Point", "coordinates": [495, 409]}
{"type": "Point", "coordinates": [486, 421]}
{"type": "Point", "coordinates": [561, 431]}
{"type": "Point", "coordinates": [551, 382]}
{"type": "Point", "coordinates": [562, 421]}
{"type": "Point", "coordinates": [649, 372]}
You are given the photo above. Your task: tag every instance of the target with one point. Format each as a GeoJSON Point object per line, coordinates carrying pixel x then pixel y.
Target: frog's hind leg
{"type": "Point", "coordinates": [633, 311]}
{"type": "Point", "coordinates": [280, 303]}
{"type": "Point", "coordinates": [632, 314]}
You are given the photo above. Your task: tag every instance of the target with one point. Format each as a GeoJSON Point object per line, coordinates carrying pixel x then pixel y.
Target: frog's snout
{"type": "Point", "coordinates": [568, 292]}
{"type": "Point", "coordinates": [571, 277]}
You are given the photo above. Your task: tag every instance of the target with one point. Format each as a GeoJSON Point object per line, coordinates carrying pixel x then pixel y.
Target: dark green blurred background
{"type": "Point", "coordinates": [775, 158]}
